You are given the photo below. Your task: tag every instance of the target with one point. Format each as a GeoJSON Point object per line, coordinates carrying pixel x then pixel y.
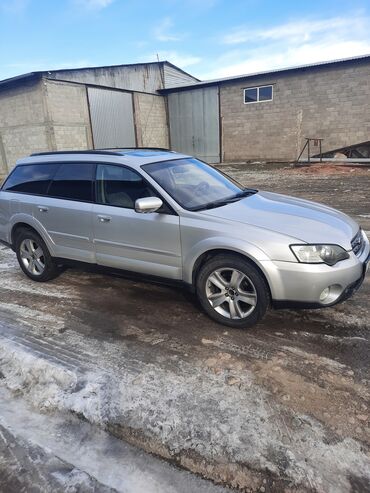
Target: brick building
{"type": "Point", "coordinates": [264, 116]}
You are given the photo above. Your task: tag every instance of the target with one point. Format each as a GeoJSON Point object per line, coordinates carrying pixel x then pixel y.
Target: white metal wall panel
{"type": "Point", "coordinates": [194, 123]}
{"type": "Point", "coordinates": [112, 118]}
{"type": "Point", "coordinates": [174, 77]}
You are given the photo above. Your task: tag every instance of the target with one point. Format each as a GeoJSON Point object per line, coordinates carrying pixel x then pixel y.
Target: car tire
{"type": "Point", "coordinates": [34, 257]}
{"type": "Point", "coordinates": [232, 291]}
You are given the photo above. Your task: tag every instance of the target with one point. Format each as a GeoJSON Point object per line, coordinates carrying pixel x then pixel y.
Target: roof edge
{"type": "Point", "coordinates": [317, 65]}
{"type": "Point", "coordinates": [21, 78]}
{"type": "Point", "coordinates": [45, 73]}
{"type": "Point", "coordinates": [93, 67]}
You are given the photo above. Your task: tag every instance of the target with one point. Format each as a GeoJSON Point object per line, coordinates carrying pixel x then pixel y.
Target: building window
{"type": "Point", "coordinates": [257, 94]}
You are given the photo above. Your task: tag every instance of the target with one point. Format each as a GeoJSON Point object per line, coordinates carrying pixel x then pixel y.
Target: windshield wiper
{"type": "Point", "coordinates": [219, 203]}
{"type": "Point", "coordinates": [246, 192]}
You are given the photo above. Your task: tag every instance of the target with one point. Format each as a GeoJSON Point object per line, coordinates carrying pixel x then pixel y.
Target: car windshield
{"type": "Point", "coordinates": [195, 185]}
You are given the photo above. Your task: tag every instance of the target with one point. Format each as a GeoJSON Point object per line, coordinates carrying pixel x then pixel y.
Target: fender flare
{"type": "Point", "coordinates": [33, 223]}
{"type": "Point", "coordinates": [248, 250]}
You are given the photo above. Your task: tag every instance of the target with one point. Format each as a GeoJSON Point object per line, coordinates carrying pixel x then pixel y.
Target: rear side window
{"type": "Point", "coordinates": [32, 178]}
{"type": "Point", "coordinates": [73, 181]}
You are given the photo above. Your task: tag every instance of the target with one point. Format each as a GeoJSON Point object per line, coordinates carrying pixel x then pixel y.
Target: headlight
{"type": "Point", "coordinates": [318, 254]}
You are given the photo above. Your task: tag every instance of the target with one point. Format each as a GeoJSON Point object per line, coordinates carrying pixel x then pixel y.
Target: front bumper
{"type": "Point", "coordinates": [301, 285]}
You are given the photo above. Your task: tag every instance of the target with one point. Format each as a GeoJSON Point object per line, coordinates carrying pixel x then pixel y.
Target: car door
{"type": "Point", "coordinates": [123, 238]}
{"type": "Point", "coordinates": [25, 186]}
{"type": "Point", "coordinates": [66, 211]}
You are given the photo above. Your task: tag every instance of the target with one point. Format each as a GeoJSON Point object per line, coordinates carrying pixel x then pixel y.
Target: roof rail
{"type": "Point", "coordinates": [92, 151]}
{"type": "Point", "coordinates": [108, 150]}
{"type": "Point", "coordinates": [124, 148]}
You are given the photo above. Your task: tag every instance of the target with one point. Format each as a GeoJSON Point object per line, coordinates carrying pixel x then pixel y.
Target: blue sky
{"type": "Point", "coordinates": [208, 38]}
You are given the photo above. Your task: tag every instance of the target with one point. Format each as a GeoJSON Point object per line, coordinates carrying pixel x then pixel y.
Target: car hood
{"type": "Point", "coordinates": [301, 219]}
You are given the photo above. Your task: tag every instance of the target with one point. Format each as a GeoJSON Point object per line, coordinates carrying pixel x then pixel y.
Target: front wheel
{"type": "Point", "coordinates": [34, 257]}
{"type": "Point", "coordinates": [232, 291]}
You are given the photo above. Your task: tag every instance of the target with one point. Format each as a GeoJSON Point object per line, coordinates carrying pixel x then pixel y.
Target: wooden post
{"type": "Point", "coordinates": [308, 151]}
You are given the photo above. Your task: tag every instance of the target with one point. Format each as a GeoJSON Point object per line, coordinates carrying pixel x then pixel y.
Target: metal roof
{"type": "Point", "coordinates": [362, 58]}
{"type": "Point", "coordinates": [40, 73]}
{"type": "Point", "coordinates": [21, 78]}
{"type": "Point", "coordinates": [161, 62]}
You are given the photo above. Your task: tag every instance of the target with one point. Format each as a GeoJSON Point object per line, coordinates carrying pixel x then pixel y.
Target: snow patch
{"type": "Point", "coordinates": [31, 317]}
{"type": "Point", "coordinates": [85, 458]}
{"type": "Point", "coordinates": [191, 410]}
{"type": "Point", "coordinates": [26, 372]}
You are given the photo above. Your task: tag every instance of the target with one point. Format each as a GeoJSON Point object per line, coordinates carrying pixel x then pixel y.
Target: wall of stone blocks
{"type": "Point", "coordinates": [68, 116]}
{"type": "Point", "coordinates": [22, 123]}
{"type": "Point", "coordinates": [332, 103]}
{"type": "Point", "coordinates": [151, 120]}
{"type": "Point", "coordinates": [42, 116]}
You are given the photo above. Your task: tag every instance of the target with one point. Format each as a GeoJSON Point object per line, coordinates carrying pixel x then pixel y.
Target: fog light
{"type": "Point", "coordinates": [324, 294]}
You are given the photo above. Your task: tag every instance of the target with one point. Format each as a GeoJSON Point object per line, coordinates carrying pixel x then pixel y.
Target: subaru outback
{"type": "Point", "coordinates": [160, 213]}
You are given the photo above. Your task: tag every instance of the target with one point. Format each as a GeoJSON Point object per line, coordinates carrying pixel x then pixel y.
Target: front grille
{"type": "Point", "coordinates": [358, 243]}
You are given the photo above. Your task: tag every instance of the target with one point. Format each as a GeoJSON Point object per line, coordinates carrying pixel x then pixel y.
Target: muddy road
{"type": "Point", "coordinates": [283, 406]}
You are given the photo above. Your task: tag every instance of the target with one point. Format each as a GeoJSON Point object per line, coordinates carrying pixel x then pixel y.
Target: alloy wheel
{"type": "Point", "coordinates": [231, 293]}
{"type": "Point", "coordinates": [32, 256]}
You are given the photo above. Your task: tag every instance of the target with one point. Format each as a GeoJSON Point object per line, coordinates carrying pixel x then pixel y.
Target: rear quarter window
{"type": "Point", "coordinates": [31, 178]}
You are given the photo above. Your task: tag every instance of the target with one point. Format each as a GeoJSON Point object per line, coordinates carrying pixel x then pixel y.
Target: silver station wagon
{"type": "Point", "coordinates": [171, 216]}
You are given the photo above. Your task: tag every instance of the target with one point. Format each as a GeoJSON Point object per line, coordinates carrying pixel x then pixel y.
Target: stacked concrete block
{"type": "Point", "coordinates": [68, 115]}
{"type": "Point", "coordinates": [22, 123]}
{"type": "Point", "coordinates": [331, 103]}
{"type": "Point", "coordinates": [42, 116]}
{"type": "Point", "coordinates": [151, 120]}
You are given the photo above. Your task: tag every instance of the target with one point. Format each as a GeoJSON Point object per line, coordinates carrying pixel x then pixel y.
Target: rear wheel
{"type": "Point", "coordinates": [232, 291]}
{"type": "Point", "coordinates": [34, 257]}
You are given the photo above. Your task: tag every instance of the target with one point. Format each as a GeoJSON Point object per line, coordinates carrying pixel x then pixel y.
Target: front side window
{"type": "Point", "coordinates": [73, 181]}
{"type": "Point", "coordinates": [120, 186]}
{"type": "Point", "coordinates": [258, 94]}
{"type": "Point", "coordinates": [193, 184]}
{"type": "Point", "coordinates": [32, 178]}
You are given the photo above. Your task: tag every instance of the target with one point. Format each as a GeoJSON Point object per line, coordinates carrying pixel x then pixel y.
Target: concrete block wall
{"type": "Point", "coordinates": [332, 103]}
{"type": "Point", "coordinates": [23, 128]}
{"type": "Point", "coordinates": [68, 116]}
{"type": "Point", "coordinates": [42, 116]}
{"type": "Point", "coordinates": [151, 120]}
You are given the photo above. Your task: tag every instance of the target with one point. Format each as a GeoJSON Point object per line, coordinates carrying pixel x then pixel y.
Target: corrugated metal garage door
{"type": "Point", "coordinates": [194, 123]}
{"type": "Point", "coordinates": [112, 118]}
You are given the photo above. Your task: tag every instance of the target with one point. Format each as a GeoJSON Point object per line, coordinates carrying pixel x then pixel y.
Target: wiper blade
{"type": "Point", "coordinates": [211, 205]}
{"type": "Point", "coordinates": [246, 192]}
{"type": "Point", "coordinates": [219, 203]}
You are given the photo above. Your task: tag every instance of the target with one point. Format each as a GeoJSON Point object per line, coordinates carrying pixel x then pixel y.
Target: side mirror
{"type": "Point", "coordinates": [148, 204]}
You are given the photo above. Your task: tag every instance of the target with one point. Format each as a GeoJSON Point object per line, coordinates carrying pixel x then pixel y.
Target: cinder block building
{"type": "Point", "coordinates": [118, 106]}
{"type": "Point", "coordinates": [264, 116]}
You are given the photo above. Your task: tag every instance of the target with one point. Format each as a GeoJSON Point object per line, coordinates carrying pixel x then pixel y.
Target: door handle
{"type": "Point", "coordinates": [104, 219]}
{"type": "Point", "coordinates": [42, 208]}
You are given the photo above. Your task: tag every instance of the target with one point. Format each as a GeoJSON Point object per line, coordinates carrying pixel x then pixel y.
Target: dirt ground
{"type": "Point", "coordinates": [283, 406]}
